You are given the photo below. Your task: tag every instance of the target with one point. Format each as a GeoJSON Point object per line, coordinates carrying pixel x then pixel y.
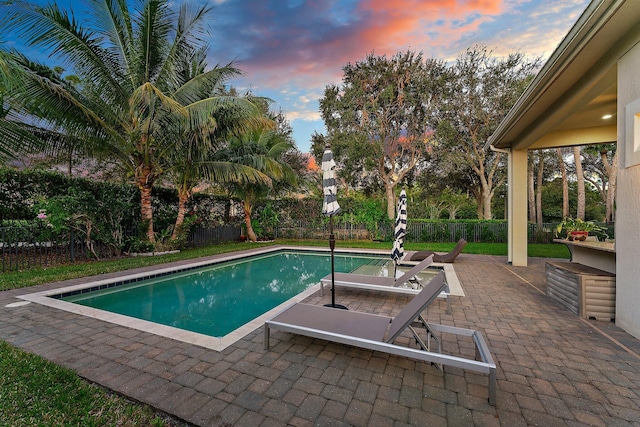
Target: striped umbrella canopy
{"type": "Point", "coordinates": [330, 205]}
{"type": "Point", "coordinates": [330, 208]}
{"type": "Point", "coordinates": [401, 228]}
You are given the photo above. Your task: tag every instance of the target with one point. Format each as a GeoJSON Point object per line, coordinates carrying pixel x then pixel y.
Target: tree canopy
{"type": "Point", "coordinates": [133, 95]}
{"type": "Point", "coordinates": [480, 89]}
{"type": "Point", "coordinates": [379, 119]}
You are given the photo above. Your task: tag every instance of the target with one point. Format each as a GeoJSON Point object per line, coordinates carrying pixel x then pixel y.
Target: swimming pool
{"type": "Point", "coordinates": [217, 299]}
{"type": "Point", "coordinates": [279, 275]}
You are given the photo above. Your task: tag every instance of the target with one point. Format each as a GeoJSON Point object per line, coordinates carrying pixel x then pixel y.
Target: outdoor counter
{"type": "Point", "coordinates": [587, 284]}
{"type": "Point", "coordinates": [600, 255]}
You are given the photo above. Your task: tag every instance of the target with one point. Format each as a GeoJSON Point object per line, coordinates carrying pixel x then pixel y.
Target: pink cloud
{"type": "Point", "coordinates": [382, 26]}
{"type": "Point", "coordinates": [291, 51]}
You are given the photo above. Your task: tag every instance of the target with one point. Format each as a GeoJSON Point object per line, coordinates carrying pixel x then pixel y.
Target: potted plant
{"type": "Point", "coordinates": [577, 229]}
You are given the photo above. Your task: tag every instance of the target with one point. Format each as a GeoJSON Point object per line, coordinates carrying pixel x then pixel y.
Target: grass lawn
{"type": "Point", "coordinates": [34, 391]}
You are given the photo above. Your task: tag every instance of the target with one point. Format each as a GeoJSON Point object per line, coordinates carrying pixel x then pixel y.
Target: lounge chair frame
{"type": "Point", "coordinates": [447, 258]}
{"type": "Point", "coordinates": [383, 284]}
{"type": "Point", "coordinates": [338, 321]}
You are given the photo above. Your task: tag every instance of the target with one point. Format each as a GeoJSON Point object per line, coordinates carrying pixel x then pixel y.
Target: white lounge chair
{"type": "Point", "coordinates": [375, 332]}
{"type": "Point", "coordinates": [385, 284]}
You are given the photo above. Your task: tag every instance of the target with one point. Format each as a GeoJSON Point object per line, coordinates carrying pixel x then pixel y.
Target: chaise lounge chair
{"type": "Point", "coordinates": [378, 333]}
{"type": "Point", "coordinates": [447, 258]}
{"type": "Point", "coordinates": [378, 283]}
{"type": "Point", "coordinates": [385, 284]}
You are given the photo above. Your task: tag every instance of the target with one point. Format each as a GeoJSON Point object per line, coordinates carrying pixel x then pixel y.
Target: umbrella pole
{"type": "Point", "coordinates": [332, 246]}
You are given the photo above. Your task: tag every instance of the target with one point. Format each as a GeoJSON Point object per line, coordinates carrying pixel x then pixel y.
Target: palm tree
{"type": "Point", "coordinates": [132, 99]}
{"type": "Point", "coordinates": [193, 162]}
{"type": "Point", "coordinates": [17, 137]}
{"type": "Point", "coordinates": [263, 149]}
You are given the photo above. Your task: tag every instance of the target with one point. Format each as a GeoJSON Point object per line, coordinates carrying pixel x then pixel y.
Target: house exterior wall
{"type": "Point", "coordinates": [628, 194]}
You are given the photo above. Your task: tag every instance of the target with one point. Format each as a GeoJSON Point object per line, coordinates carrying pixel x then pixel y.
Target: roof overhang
{"type": "Point", "coordinates": [565, 103]}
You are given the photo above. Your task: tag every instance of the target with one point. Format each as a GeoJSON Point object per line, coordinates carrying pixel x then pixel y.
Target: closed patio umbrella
{"type": "Point", "coordinates": [330, 207]}
{"type": "Point", "coordinates": [400, 231]}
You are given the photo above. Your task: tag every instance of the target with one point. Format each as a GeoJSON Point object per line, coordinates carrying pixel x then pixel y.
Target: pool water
{"type": "Point", "coordinates": [217, 299]}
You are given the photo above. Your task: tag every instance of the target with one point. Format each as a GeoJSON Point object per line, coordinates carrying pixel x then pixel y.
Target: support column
{"type": "Point", "coordinates": [517, 202]}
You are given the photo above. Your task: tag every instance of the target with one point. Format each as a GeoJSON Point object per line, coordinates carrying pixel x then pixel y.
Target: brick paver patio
{"type": "Point", "coordinates": [554, 369]}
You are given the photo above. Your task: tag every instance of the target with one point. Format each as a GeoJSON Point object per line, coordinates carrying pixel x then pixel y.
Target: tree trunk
{"type": "Point", "coordinates": [539, 188]}
{"type": "Point", "coordinates": [477, 194]}
{"type": "Point", "coordinates": [530, 195]}
{"type": "Point", "coordinates": [611, 188]}
{"type": "Point", "coordinates": [247, 207]}
{"type": "Point", "coordinates": [391, 205]}
{"type": "Point", "coordinates": [487, 195]}
{"type": "Point", "coordinates": [580, 181]}
{"type": "Point", "coordinates": [565, 184]}
{"type": "Point", "coordinates": [145, 185]}
{"type": "Point", "coordinates": [183, 198]}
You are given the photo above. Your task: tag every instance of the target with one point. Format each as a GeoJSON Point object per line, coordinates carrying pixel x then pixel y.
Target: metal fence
{"type": "Point", "coordinates": [202, 236]}
{"type": "Point", "coordinates": [28, 247]}
{"type": "Point", "coordinates": [416, 231]}
{"type": "Point", "coordinates": [23, 248]}
{"type": "Point", "coordinates": [422, 232]}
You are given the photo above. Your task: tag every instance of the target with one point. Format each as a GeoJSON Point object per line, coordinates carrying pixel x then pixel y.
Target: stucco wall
{"type": "Point", "coordinates": [628, 198]}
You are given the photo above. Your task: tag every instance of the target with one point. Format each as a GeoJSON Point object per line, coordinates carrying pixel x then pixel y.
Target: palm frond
{"type": "Point", "coordinates": [201, 112]}
{"type": "Point", "coordinates": [16, 139]}
{"type": "Point", "coordinates": [40, 97]}
{"type": "Point", "coordinates": [113, 20]}
{"type": "Point", "coordinates": [154, 26]}
{"type": "Point", "coordinates": [52, 29]}
{"type": "Point", "coordinates": [204, 85]}
{"type": "Point", "coordinates": [225, 172]}
{"type": "Point", "coordinates": [154, 112]}
{"type": "Point", "coordinates": [191, 27]}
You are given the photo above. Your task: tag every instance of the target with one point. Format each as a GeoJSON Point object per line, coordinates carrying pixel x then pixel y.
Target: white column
{"type": "Point", "coordinates": [517, 217]}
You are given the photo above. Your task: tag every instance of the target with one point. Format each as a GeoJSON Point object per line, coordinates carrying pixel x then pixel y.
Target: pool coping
{"type": "Point", "coordinates": [214, 343]}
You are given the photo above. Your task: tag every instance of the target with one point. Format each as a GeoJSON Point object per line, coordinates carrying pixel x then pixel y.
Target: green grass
{"type": "Point", "coordinates": [36, 392]}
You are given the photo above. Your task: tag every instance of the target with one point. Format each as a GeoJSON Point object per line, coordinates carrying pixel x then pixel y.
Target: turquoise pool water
{"type": "Point", "coordinates": [217, 299]}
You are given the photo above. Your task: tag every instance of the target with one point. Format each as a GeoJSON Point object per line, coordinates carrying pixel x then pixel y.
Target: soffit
{"type": "Point", "coordinates": [578, 85]}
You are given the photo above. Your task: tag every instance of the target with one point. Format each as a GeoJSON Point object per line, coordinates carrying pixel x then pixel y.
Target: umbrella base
{"type": "Point", "coordinates": [342, 307]}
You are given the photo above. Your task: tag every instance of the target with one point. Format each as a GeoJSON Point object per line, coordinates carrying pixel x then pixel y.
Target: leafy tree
{"type": "Point", "coordinates": [538, 172]}
{"type": "Point", "coordinates": [565, 183]}
{"type": "Point", "coordinates": [132, 97]}
{"type": "Point", "coordinates": [577, 161]}
{"type": "Point", "coordinates": [480, 90]}
{"type": "Point", "coordinates": [453, 201]}
{"type": "Point", "coordinates": [601, 162]}
{"type": "Point", "coordinates": [379, 119]}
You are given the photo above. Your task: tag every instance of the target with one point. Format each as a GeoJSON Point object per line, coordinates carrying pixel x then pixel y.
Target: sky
{"type": "Point", "coordinates": [290, 50]}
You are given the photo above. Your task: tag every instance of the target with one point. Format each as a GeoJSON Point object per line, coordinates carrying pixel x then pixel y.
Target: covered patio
{"type": "Point", "coordinates": [588, 92]}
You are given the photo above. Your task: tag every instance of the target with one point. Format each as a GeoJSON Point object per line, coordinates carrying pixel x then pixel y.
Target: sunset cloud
{"type": "Point", "coordinates": [291, 50]}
